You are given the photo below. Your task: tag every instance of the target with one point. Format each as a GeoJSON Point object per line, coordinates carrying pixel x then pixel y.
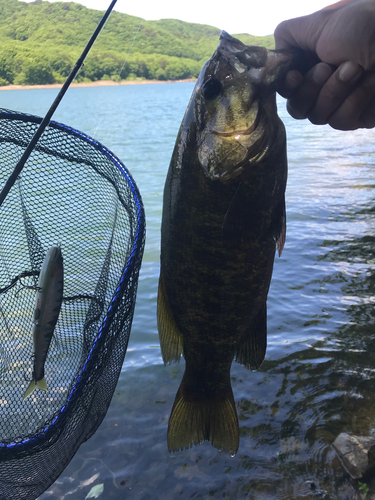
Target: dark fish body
{"type": "Point", "coordinates": [223, 217]}
{"type": "Point", "coordinates": [47, 309]}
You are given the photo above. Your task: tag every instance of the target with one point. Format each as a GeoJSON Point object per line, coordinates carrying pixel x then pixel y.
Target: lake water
{"type": "Point", "coordinates": [318, 376]}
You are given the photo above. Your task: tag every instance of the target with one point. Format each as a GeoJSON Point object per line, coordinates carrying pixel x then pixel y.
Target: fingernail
{"type": "Point", "coordinates": [348, 71]}
{"type": "Point", "coordinates": [321, 73]}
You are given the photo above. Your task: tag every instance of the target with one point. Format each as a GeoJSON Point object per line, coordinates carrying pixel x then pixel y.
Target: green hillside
{"type": "Point", "coordinates": [40, 42]}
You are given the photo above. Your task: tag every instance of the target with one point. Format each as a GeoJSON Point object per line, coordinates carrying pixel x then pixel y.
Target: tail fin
{"type": "Point", "coordinates": [215, 421]}
{"type": "Point", "coordinates": [40, 384]}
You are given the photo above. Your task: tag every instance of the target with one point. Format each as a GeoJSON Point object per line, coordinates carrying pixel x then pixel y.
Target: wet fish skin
{"type": "Point", "coordinates": [47, 309]}
{"type": "Point", "coordinates": [223, 217]}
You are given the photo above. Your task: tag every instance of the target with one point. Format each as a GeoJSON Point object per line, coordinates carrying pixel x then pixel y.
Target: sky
{"type": "Point", "coordinates": [257, 17]}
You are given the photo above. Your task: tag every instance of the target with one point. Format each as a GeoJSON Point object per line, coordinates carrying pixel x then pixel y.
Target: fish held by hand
{"type": "Point", "coordinates": [223, 218]}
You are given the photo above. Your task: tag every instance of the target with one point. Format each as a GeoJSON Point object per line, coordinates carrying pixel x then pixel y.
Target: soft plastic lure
{"type": "Point", "coordinates": [47, 309]}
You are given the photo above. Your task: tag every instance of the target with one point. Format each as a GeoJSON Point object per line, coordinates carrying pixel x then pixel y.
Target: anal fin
{"type": "Point", "coordinates": [252, 347]}
{"type": "Point", "coordinates": [279, 226]}
{"type": "Point", "coordinates": [169, 334]}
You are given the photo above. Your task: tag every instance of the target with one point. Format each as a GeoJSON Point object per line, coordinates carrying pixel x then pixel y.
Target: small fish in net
{"type": "Point", "coordinates": [49, 296]}
{"type": "Point", "coordinates": [75, 195]}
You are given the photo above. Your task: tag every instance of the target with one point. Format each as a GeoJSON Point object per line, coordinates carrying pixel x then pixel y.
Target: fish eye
{"type": "Point", "coordinates": [211, 88]}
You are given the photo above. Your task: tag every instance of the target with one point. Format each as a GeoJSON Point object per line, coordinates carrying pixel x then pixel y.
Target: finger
{"type": "Point", "coordinates": [341, 3]}
{"type": "Point", "coordinates": [334, 92]}
{"type": "Point", "coordinates": [290, 83]}
{"type": "Point", "coordinates": [305, 96]}
{"type": "Point", "coordinates": [367, 118]}
{"type": "Point", "coordinates": [358, 109]}
{"type": "Point", "coordinates": [292, 33]}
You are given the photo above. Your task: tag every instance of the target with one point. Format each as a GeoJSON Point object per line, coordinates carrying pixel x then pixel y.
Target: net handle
{"type": "Point", "coordinates": [21, 163]}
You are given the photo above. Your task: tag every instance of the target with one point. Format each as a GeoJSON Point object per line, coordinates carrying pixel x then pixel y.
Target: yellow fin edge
{"type": "Point", "coordinates": [169, 334]}
{"type": "Point", "coordinates": [191, 423]}
{"type": "Point", "coordinates": [40, 384]}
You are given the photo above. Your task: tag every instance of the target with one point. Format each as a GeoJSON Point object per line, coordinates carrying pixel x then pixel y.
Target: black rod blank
{"type": "Point", "coordinates": [18, 168]}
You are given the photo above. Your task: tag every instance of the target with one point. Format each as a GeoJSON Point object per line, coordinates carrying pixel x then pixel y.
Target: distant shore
{"type": "Point", "coordinates": [99, 83]}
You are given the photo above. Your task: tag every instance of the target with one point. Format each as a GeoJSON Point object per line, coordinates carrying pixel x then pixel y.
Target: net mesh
{"type": "Point", "coordinates": [74, 193]}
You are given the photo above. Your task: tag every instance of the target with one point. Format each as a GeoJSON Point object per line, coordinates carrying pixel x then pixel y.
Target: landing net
{"type": "Point", "coordinates": [73, 193]}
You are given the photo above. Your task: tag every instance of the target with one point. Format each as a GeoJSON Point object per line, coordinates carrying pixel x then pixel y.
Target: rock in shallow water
{"type": "Point", "coordinates": [357, 453]}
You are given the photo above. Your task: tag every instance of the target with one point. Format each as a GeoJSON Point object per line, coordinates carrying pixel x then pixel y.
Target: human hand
{"type": "Point", "coordinates": [339, 43]}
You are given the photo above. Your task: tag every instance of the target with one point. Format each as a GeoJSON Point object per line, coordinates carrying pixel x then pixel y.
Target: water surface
{"type": "Point", "coordinates": [318, 376]}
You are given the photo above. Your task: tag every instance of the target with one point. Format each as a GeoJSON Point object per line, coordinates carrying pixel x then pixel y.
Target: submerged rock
{"type": "Point", "coordinates": [357, 453]}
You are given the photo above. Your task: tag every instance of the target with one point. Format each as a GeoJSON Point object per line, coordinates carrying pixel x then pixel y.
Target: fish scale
{"type": "Point", "coordinates": [223, 217]}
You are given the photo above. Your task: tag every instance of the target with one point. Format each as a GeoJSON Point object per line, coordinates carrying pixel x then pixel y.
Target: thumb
{"type": "Point", "coordinates": [302, 32]}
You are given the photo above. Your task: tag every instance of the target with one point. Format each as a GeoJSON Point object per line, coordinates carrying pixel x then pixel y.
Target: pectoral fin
{"type": "Point", "coordinates": [169, 334]}
{"type": "Point", "coordinates": [235, 228]}
{"type": "Point", "coordinates": [252, 348]}
{"type": "Point", "coordinates": [242, 223]}
{"type": "Point", "coordinates": [279, 226]}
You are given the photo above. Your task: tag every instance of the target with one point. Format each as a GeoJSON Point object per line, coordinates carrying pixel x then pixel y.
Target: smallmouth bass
{"type": "Point", "coordinates": [47, 309]}
{"type": "Point", "coordinates": [223, 218]}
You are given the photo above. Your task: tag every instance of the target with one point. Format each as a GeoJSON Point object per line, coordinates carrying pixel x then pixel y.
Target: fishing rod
{"type": "Point", "coordinates": [21, 163]}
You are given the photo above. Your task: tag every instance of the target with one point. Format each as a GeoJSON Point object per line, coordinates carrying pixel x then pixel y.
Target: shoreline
{"type": "Point", "coordinates": [99, 83]}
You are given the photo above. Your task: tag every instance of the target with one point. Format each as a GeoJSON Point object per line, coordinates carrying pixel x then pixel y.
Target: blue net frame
{"type": "Point", "coordinates": [76, 193]}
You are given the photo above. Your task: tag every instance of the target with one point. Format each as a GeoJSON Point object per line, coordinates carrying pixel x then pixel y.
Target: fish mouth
{"type": "Point", "coordinates": [225, 155]}
{"type": "Point", "coordinates": [238, 133]}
